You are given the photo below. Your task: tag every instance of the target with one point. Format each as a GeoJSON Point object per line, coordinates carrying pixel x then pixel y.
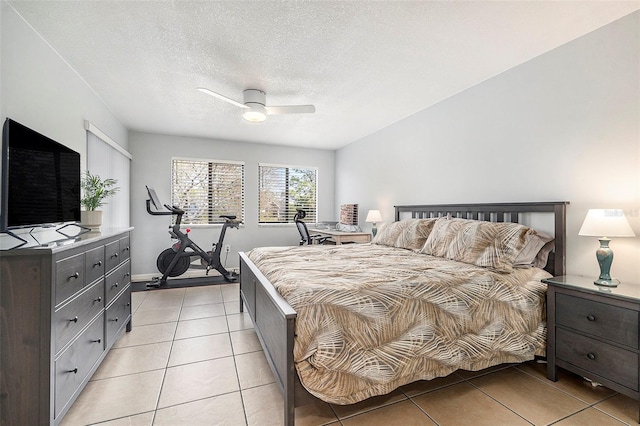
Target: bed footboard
{"type": "Point", "coordinates": [274, 322]}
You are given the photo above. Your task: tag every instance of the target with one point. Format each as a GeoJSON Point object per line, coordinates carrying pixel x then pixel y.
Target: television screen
{"type": "Point", "coordinates": [40, 179]}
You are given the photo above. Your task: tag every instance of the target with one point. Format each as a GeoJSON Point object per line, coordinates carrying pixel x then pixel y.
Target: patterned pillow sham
{"type": "Point", "coordinates": [535, 252]}
{"type": "Point", "coordinates": [497, 246]}
{"type": "Point", "coordinates": [410, 234]}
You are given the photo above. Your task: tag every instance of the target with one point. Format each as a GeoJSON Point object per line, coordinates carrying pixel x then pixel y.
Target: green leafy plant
{"type": "Point", "coordinates": [95, 190]}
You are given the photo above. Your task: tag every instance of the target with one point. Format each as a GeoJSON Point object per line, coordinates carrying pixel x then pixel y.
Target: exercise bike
{"type": "Point", "coordinates": [175, 260]}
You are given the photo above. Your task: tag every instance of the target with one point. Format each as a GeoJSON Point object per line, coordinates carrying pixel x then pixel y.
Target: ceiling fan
{"type": "Point", "coordinates": [255, 103]}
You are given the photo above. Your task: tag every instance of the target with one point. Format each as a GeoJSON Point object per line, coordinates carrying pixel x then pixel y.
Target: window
{"type": "Point", "coordinates": [206, 189]}
{"type": "Point", "coordinates": [283, 190]}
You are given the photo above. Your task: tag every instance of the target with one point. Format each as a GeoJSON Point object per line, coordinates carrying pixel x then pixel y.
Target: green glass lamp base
{"type": "Point", "coordinates": [607, 283]}
{"type": "Point", "coordinates": [604, 254]}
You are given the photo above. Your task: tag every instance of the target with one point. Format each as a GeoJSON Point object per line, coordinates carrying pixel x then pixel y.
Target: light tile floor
{"type": "Point", "coordinates": [194, 359]}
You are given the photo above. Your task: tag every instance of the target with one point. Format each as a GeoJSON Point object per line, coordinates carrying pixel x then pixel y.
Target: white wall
{"type": "Point", "coordinates": [563, 126]}
{"type": "Point", "coordinates": [151, 165]}
{"type": "Point", "coordinates": [40, 90]}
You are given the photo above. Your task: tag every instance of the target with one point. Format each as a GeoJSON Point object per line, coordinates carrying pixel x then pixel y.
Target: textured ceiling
{"type": "Point", "coordinates": [363, 64]}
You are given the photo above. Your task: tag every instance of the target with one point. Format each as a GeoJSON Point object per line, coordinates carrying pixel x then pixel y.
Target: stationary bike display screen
{"type": "Point", "coordinates": [154, 198]}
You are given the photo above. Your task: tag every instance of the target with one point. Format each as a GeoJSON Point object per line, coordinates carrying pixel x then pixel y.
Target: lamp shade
{"type": "Point", "coordinates": [374, 216]}
{"type": "Point", "coordinates": [606, 223]}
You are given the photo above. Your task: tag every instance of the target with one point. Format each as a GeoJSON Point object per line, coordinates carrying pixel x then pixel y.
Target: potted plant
{"type": "Point", "coordinates": [94, 191]}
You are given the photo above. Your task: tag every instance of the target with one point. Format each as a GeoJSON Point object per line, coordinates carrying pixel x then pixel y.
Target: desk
{"type": "Point", "coordinates": [340, 237]}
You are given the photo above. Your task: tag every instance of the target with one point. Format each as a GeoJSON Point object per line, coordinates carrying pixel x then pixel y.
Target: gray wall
{"type": "Point", "coordinates": [152, 154]}
{"type": "Point", "coordinates": [563, 126]}
{"type": "Point", "coordinates": [40, 90]}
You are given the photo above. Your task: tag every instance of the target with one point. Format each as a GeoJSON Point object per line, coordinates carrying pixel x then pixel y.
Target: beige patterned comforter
{"type": "Point", "coordinates": [371, 318]}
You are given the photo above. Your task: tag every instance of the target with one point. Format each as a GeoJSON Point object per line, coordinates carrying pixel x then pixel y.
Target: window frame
{"type": "Point", "coordinates": [290, 221]}
{"type": "Point", "coordinates": [209, 161]}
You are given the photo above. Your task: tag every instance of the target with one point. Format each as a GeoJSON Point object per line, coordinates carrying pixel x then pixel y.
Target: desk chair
{"type": "Point", "coordinates": [305, 238]}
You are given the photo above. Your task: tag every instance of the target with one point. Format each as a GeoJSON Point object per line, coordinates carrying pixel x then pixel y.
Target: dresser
{"type": "Point", "coordinates": [63, 305]}
{"type": "Point", "coordinates": [593, 331]}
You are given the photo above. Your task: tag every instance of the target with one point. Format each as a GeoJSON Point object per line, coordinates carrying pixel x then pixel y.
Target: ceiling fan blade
{"type": "Point", "coordinates": [291, 109]}
{"type": "Point", "coordinates": [222, 97]}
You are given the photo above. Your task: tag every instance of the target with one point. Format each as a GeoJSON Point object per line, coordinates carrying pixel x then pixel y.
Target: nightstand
{"type": "Point", "coordinates": [593, 331]}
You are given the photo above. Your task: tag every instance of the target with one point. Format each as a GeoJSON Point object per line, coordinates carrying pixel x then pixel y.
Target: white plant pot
{"type": "Point", "coordinates": [91, 219]}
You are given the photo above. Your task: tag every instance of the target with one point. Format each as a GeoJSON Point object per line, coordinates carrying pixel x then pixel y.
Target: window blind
{"type": "Point", "coordinates": [206, 189]}
{"type": "Point", "coordinates": [285, 189]}
{"type": "Point", "coordinates": [109, 161]}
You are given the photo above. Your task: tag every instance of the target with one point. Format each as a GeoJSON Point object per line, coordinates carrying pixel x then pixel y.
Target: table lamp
{"type": "Point", "coordinates": [604, 223]}
{"type": "Point", "coordinates": [374, 216]}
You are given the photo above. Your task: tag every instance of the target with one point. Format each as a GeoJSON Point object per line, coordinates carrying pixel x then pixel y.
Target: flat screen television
{"type": "Point", "coordinates": [40, 180]}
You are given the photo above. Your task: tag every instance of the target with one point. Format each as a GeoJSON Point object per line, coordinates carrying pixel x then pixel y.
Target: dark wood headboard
{"type": "Point", "coordinates": [502, 212]}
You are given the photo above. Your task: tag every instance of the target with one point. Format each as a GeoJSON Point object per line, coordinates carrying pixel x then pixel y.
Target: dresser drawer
{"type": "Point", "coordinates": [117, 314]}
{"type": "Point", "coordinates": [94, 264]}
{"type": "Point", "coordinates": [124, 248]}
{"type": "Point", "coordinates": [111, 256]}
{"type": "Point", "coordinates": [599, 319]}
{"type": "Point", "coordinates": [69, 277]}
{"type": "Point", "coordinates": [75, 315]}
{"type": "Point", "coordinates": [73, 365]}
{"type": "Point", "coordinates": [116, 281]}
{"type": "Point", "coordinates": [612, 362]}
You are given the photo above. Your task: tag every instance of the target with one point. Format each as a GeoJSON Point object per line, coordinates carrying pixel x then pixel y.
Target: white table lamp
{"type": "Point", "coordinates": [374, 216]}
{"type": "Point", "coordinates": [604, 223]}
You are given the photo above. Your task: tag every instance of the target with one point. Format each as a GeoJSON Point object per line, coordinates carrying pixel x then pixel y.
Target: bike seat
{"type": "Point", "coordinates": [230, 217]}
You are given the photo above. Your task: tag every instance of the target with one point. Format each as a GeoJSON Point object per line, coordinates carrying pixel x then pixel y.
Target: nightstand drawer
{"type": "Point", "coordinates": [616, 364]}
{"type": "Point", "coordinates": [599, 319]}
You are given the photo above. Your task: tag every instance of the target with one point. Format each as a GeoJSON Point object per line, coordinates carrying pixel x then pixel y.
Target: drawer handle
{"type": "Point", "coordinates": [99, 299]}
{"type": "Point", "coordinates": [75, 276]}
{"type": "Point", "coordinates": [98, 263]}
{"type": "Point", "coordinates": [591, 317]}
{"type": "Point", "coordinates": [74, 371]}
{"type": "Point", "coordinates": [127, 304]}
{"type": "Point", "coordinates": [115, 255]}
{"type": "Point", "coordinates": [591, 356]}
{"type": "Point", "coordinates": [126, 248]}
{"type": "Point", "coordinates": [74, 319]}
{"type": "Point", "coordinates": [96, 341]}
{"type": "Point", "coordinates": [115, 319]}
{"type": "Point", "coordinates": [127, 274]}
{"type": "Point", "coordinates": [116, 285]}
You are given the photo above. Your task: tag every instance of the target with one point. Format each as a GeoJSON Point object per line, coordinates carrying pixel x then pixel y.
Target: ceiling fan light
{"type": "Point", "coordinates": [255, 114]}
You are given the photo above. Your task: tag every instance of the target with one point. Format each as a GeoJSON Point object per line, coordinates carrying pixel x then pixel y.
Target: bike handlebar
{"type": "Point", "coordinates": [229, 220]}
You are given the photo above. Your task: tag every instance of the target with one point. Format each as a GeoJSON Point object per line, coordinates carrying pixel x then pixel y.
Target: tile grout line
{"type": "Point", "coordinates": [423, 410]}
{"type": "Point", "coordinates": [490, 396]}
{"type": "Point", "coordinates": [565, 392]}
{"type": "Point", "coordinates": [235, 364]}
{"type": "Point", "coordinates": [164, 376]}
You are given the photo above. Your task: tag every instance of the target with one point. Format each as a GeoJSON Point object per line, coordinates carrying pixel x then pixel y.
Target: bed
{"type": "Point", "coordinates": [424, 305]}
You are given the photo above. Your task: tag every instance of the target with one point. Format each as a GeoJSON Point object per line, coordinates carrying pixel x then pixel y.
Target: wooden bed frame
{"type": "Point", "coordinates": [274, 319]}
